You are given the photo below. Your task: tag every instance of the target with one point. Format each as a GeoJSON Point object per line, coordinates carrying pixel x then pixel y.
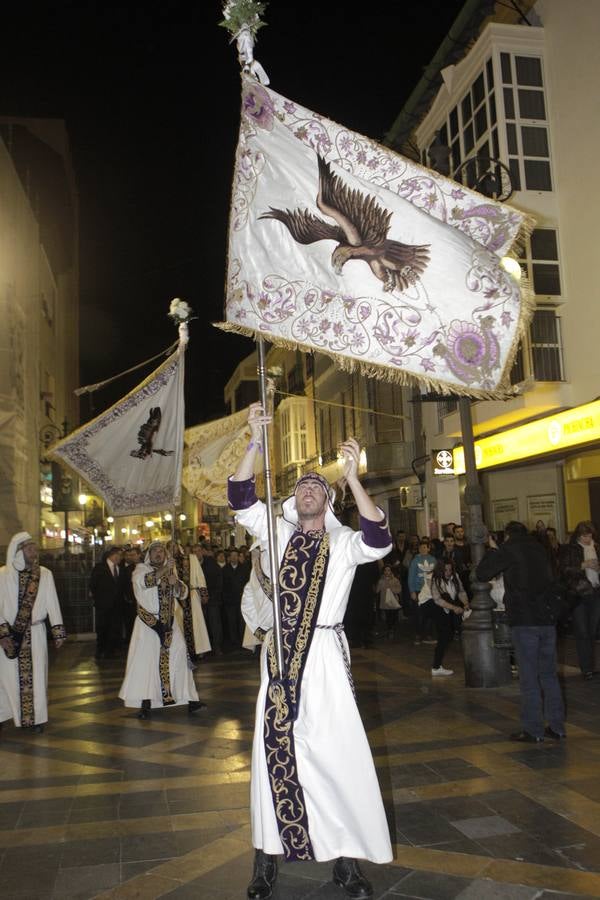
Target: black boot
{"type": "Point", "coordinates": [145, 708]}
{"type": "Point", "coordinates": [347, 874]}
{"type": "Point", "coordinates": [195, 706]}
{"type": "Point", "coordinates": [264, 875]}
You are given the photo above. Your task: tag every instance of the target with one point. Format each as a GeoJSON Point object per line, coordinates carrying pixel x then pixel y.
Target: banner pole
{"type": "Point", "coordinates": [273, 554]}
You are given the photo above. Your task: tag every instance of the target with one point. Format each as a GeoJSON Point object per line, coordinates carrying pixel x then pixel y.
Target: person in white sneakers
{"type": "Point", "coordinates": [449, 596]}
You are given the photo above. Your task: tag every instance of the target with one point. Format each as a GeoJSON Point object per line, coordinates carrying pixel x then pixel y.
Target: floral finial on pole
{"type": "Point", "coordinates": [242, 20]}
{"type": "Point", "coordinates": [181, 313]}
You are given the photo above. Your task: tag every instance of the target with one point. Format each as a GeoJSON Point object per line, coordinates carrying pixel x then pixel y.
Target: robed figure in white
{"type": "Point", "coordinates": [198, 597]}
{"type": "Point", "coordinates": [314, 789]}
{"type": "Point", "coordinates": [158, 669]}
{"type": "Point", "coordinates": [189, 612]}
{"type": "Point", "coordinates": [27, 598]}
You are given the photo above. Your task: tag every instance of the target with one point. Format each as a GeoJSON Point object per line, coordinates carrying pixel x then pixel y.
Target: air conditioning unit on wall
{"type": "Point", "coordinates": [411, 496]}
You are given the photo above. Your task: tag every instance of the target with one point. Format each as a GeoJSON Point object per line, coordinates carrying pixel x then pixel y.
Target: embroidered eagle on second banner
{"type": "Point", "coordinates": [361, 232]}
{"type": "Point", "coordinates": [146, 435]}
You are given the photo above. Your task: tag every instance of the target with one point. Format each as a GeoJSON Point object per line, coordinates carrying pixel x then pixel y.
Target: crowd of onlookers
{"type": "Point", "coordinates": [420, 590]}
{"type": "Point", "coordinates": [427, 582]}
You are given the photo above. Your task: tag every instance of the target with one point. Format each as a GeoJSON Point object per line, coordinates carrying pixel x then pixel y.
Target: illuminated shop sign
{"type": "Point", "coordinates": [560, 432]}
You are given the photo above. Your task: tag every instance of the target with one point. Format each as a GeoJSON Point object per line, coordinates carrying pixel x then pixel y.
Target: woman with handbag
{"type": "Point", "coordinates": [389, 589]}
{"type": "Point", "coordinates": [450, 598]}
{"type": "Point", "coordinates": [579, 565]}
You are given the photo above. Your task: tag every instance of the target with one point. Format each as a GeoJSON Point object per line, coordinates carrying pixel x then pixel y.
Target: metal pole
{"type": "Point", "coordinates": [486, 664]}
{"type": "Point", "coordinates": [273, 553]}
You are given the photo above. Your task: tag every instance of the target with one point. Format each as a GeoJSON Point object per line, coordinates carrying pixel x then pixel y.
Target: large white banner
{"type": "Point", "coordinates": [340, 245]}
{"type": "Point", "coordinates": [213, 453]}
{"type": "Point", "coordinates": [131, 455]}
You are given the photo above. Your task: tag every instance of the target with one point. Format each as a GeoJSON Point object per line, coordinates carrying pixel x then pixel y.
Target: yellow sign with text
{"type": "Point", "coordinates": [566, 429]}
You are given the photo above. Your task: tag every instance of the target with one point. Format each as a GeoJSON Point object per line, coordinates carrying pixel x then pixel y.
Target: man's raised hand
{"type": "Point", "coordinates": [256, 419]}
{"type": "Point", "coordinates": [351, 452]}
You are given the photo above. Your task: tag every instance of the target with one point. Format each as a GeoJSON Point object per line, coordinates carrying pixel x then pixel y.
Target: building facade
{"type": "Point", "coordinates": [523, 95]}
{"type": "Point", "coordinates": [39, 309]}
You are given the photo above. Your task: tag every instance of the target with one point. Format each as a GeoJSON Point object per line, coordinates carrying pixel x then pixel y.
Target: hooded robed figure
{"type": "Point", "coordinates": [314, 789]}
{"type": "Point", "coordinates": [158, 669]}
{"type": "Point", "coordinates": [27, 598]}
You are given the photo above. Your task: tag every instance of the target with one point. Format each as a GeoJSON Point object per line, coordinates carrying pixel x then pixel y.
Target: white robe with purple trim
{"type": "Point", "coordinates": [335, 766]}
{"type": "Point", "coordinates": [46, 605]}
{"type": "Point", "coordinates": [142, 675]}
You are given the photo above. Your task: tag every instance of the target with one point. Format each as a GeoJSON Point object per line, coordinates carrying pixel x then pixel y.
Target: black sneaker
{"type": "Point", "coordinates": [195, 706]}
{"type": "Point", "coordinates": [555, 735]}
{"type": "Point", "coordinates": [525, 738]}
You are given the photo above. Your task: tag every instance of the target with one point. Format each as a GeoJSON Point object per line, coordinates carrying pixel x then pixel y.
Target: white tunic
{"type": "Point", "coordinates": [142, 675]}
{"type": "Point", "coordinates": [335, 766]}
{"type": "Point", "coordinates": [197, 583]}
{"type": "Point", "coordinates": [46, 605]}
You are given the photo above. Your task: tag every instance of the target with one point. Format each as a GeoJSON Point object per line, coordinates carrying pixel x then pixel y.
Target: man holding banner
{"type": "Point", "coordinates": [314, 791]}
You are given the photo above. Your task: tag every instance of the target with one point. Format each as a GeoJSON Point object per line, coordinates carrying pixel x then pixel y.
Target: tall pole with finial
{"type": "Point", "coordinates": [242, 19]}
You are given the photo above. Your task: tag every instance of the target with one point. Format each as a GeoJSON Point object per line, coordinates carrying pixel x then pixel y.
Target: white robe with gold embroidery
{"type": "Point", "coordinates": [335, 766]}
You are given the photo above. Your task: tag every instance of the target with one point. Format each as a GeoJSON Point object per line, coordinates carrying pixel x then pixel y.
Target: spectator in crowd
{"type": "Point", "coordinates": [579, 564]}
{"type": "Point", "coordinates": [131, 557]}
{"type": "Point", "coordinates": [213, 574]}
{"type": "Point", "coordinates": [389, 588]}
{"type": "Point", "coordinates": [235, 577]}
{"type": "Point", "coordinates": [360, 611]}
{"type": "Point", "coordinates": [419, 585]}
{"type": "Point", "coordinates": [462, 557]}
{"type": "Point", "coordinates": [450, 599]}
{"type": "Point", "coordinates": [528, 591]}
{"type": "Point", "coordinates": [107, 583]}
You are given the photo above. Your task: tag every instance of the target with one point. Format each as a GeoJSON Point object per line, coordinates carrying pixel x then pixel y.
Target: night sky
{"type": "Point", "coordinates": [150, 94]}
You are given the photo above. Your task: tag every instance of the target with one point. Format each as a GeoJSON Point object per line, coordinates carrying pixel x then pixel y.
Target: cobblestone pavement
{"type": "Point", "coordinates": [104, 805]}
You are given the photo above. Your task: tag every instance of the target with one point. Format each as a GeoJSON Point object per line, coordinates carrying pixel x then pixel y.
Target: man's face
{"type": "Point", "coordinates": [586, 538]}
{"type": "Point", "coordinates": [311, 501]}
{"type": "Point", "coordinates": [30, 552]}
{"type": "Point", "coordinates": [448, 543]}
{"type": "Point", "coordinates": [158, 556]}
{"type": "Point", "coordinates": [400, 537]}
{"type": "Point", "coordinates": [459, 533]}
{"type": "Point", "coordinates": [116, 558]}
{"type": "Point", "coordinates": [233, 558]}
{"type": "Point", "coordinates": [424, 549]}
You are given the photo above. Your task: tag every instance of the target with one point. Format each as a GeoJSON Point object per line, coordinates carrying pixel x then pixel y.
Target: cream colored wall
{"type": "Point", "coordinates": [19, 356]}
{"type": "Point", "coordinates": [29, 348]}
{"type": "Point", "coordinates": [572, 31]}
{"type": "Point", "coordinates": [521, 484]}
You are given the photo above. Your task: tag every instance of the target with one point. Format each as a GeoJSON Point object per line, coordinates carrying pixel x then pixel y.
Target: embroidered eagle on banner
{"type": "Point", "coordinates": [146, 435]}
{"type": "Point", "coordinates": [361, 230]}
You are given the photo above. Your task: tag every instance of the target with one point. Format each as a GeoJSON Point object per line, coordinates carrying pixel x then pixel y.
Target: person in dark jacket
{"type": "Point", "coordinates": [132, 556]}
{"type": "Point", "coordinates": [235, 576]}
{"type": "Point", "coordinates": [528, 583]}
{"type": "Point", "coordinates": [579, 565]}
{"type": "Point", "coordinates": [213, 574]}
{"type": "Point", "coordinates": [106, 587]}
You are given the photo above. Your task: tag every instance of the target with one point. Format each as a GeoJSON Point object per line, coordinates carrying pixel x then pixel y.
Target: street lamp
{"type": "Point", "coordinates": [48, 434]}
